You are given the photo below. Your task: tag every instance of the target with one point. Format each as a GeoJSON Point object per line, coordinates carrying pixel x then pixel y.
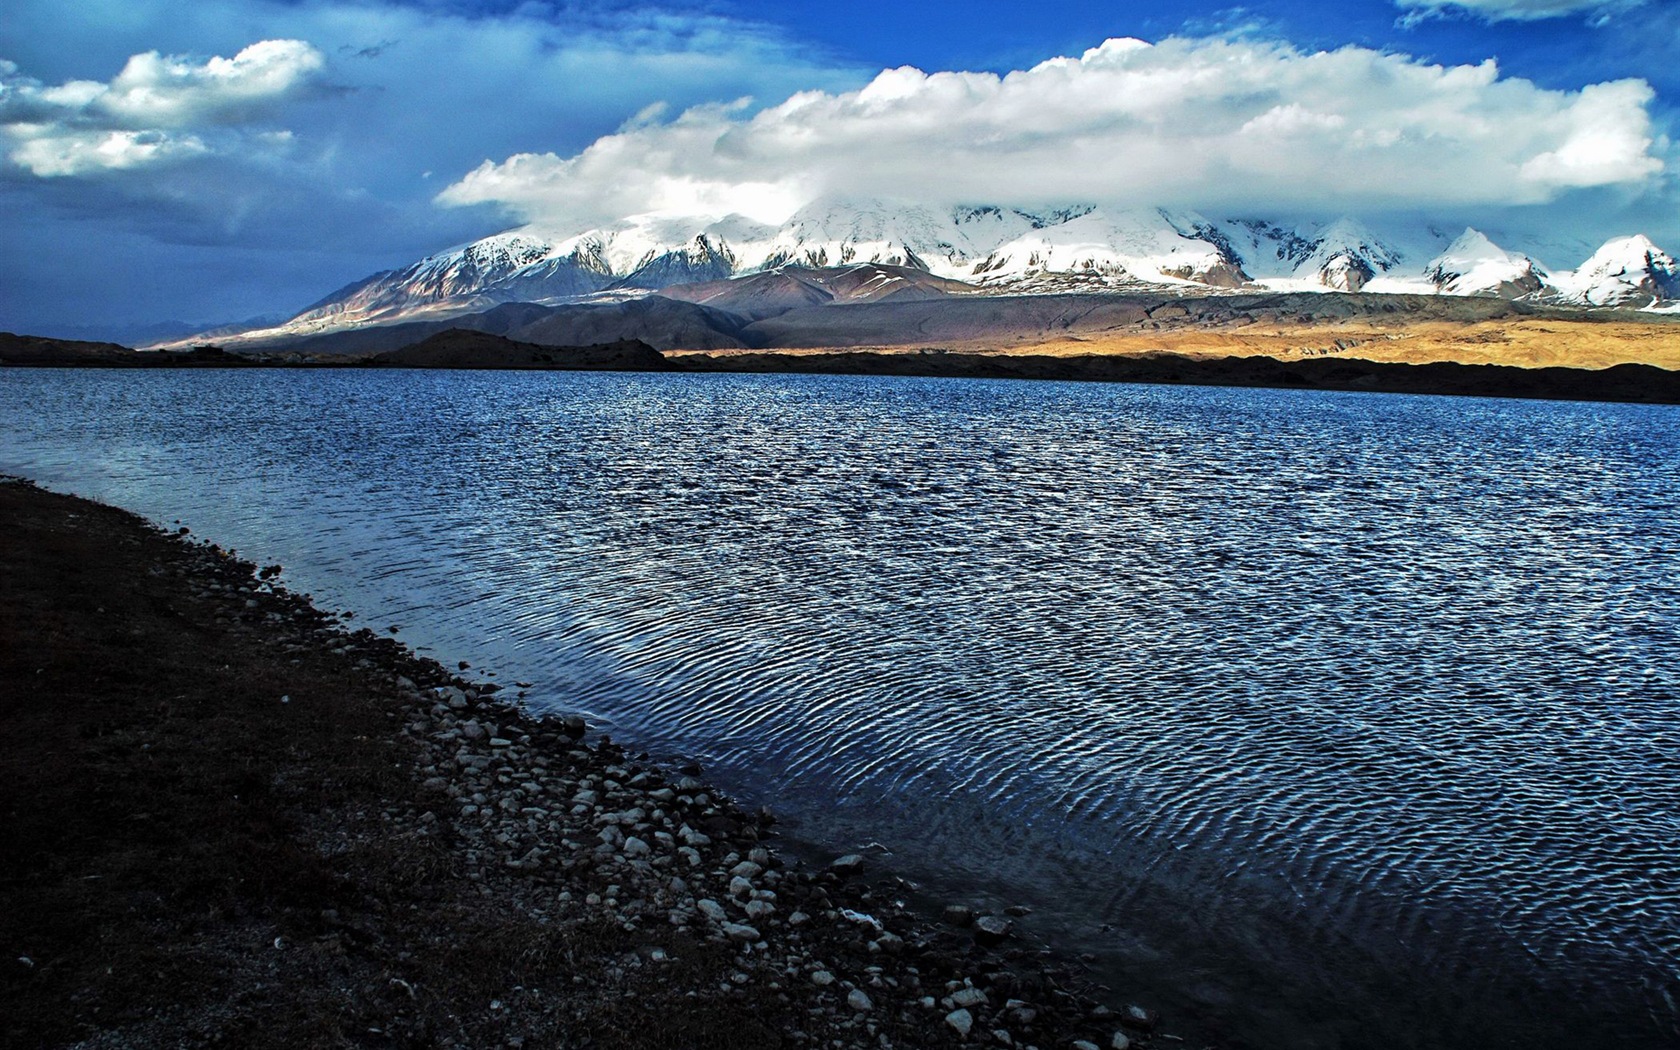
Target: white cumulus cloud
{"type": "Point", "coordinates": [157, 109]}
{"type": "Point", "coordinates": [1206, 123]}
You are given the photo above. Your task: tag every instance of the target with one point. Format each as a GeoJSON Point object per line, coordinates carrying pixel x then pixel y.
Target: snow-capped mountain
{"type": "Point", "coordinates": [831, 232]}
{"type": "Point", "coordinates": [1339, 256]}
{"type": "Point", "coordinates": [1347, 256]}
{"type": "Point", "coordinates": [1474, 265]}
{"type": "Point", "coordinates": [1627, 271]}
{"type": "Point", "coordinates": [1142, 246]}
{"type": "Point", "coordinates": [992, 250]}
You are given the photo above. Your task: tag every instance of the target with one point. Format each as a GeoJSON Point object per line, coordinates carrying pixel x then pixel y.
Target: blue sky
{"type": "Point", "coordinates": [229, 158]}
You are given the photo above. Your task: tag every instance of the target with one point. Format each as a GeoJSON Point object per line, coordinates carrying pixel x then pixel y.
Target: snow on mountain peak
{"type": "Point", "coordinates": [1474, 265]}
{"type": "Point", "coordinates": [1625, 256]}
{"type": "Point", "coordinates": [1625, 271]}
{"type": "Point", "coordinates": [1473, 244]}
{"type": "Point", "coordinates": [1345, 255]}
{"type": "Point", "coordinates": [1113, 246]}
{"type": "Point", "coordinates": [836, 231]}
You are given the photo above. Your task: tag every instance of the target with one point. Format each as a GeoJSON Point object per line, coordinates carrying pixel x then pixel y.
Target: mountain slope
{"type": "Point", "coordinates": [661, 323]}
{"type": "Point", "coordinates": [772, 292]}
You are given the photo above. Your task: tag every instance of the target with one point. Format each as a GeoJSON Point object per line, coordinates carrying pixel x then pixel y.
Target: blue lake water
{"type": "Point", "coordinates": [1321, 720]}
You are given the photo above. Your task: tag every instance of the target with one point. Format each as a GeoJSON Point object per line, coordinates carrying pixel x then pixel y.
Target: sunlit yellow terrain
{"type": "Point", "coordinates": [1524, 343]}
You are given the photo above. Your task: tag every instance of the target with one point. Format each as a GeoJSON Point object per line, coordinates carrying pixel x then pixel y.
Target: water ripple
{"type": "Point", "coordinates": [1355, 714]}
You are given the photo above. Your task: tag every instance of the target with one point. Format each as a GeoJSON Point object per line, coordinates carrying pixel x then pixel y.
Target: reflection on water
{"type": "Point", "coordinates": [1355, 715]}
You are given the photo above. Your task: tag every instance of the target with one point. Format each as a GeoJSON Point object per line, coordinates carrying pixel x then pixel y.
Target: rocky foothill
{"type": "Point", "coordinates": [304, 834]}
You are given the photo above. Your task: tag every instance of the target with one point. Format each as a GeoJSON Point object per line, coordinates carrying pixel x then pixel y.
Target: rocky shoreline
{"type": "Point", "coordinates": [436, 867]}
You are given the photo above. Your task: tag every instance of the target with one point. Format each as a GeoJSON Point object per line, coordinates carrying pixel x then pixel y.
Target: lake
{"type": "Point", "coordinates": [1320, 720]}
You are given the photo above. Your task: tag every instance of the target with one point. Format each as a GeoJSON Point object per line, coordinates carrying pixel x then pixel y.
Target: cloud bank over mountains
{"type": "Point", "coordinates": [1205, 123]}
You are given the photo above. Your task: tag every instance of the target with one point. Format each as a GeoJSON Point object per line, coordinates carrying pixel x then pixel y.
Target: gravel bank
{"type": "Point", "coordinates": [239, 822]}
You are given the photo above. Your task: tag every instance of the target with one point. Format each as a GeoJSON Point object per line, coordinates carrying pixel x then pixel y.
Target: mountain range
{"type": "Point", "coordinates": [919, 252]}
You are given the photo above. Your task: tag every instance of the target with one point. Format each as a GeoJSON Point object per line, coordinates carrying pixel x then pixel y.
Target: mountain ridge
{"type": "Point", "coordinates": [982, 250]}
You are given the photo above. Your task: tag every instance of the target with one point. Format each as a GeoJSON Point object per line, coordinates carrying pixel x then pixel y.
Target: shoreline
{"type": "Point", "coordinates": [292, 832]}
{"type": "Point", "coordinates": [463, 349]}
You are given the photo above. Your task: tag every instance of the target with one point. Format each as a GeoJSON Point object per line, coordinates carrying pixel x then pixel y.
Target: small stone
{"type": "Point", "coordinates": [968, 997]}
{"type": "Point", "coordinates": [961, 1020]}
{"type": "Point", "coordinates": [859, 1001]}
{"type": "Point", "coordinates": [1120, 1041]}
{"type": "Point", "coordinates": [747, 870]}
{"type": "Point", "coordinates": [1084, 1044]}
{"type": "Point", "coordinates": [822, 978]}
{"type": "Point", "coordinates": [990, 930]}
{"type": "Point", "coordinates": [959, 915]}
{"type": "Point", "coordinates": [740, 933]}
{"type": "Point", "coordinates": [850, 864]}
{"type": "Point", "coordinates": [635, 847]}
{"type": "Point", "coordinates": [1139, 1018]}
{"type": "Point", "coordinates": [574, 726]}
{"type": "Point", "coordinates": [739, 887]}
{"type": "Point", "coordinates": [760, 910]}
{"type": "Point", "coordinates": [712, 910]}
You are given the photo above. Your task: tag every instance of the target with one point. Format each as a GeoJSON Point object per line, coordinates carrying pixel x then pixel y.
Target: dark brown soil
{"type": "Point", "coordinates": [189, 858]}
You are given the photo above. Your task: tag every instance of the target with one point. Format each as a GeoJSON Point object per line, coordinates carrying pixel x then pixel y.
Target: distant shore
{"type": "Point", "coordinates": [1630, 383]}
{"type": "Point", "coordinates": [465, 349]}
{"type": "Point", "coordinates": [232, 820]}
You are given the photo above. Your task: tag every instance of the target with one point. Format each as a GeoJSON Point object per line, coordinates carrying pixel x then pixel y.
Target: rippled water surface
{"type": "Point", "coordinates": [1354, 718]}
